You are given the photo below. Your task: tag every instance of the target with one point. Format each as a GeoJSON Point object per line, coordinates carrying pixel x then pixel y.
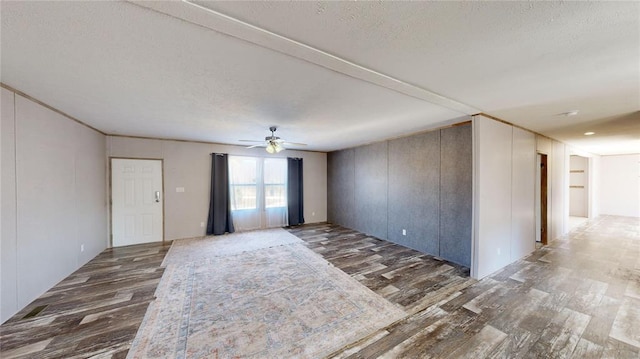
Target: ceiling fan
{"type": "Point", "coordinates": [273, 143]}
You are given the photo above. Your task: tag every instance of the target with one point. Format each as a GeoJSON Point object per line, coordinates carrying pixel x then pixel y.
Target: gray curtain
{"type": "Point", "coordinates": [295, 193]}
{"type": "Point", "coordinates": [219, 220]}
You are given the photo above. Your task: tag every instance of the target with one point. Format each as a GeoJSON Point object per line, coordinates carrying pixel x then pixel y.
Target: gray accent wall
{"type": "Point", "coordinates": [456, 194]}
{"type": "Point", "coordinates": [414, 180]}
{"type": "Point", "coordinates": [341, 188]}
{"type": "Point", "coordinates": [371, 191]}
{"type": "Point", "coordinates": [54, 206]}
{"type": "Point", "coordinates": [419, 184]}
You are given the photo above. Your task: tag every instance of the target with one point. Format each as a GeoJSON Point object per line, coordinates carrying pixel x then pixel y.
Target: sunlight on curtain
{"type": "Point", "coordinates": [275, 192]}
{"type": "Point", "coordinates": [258, 192]}
{"type": "Point", "coordinates": [243, 186]}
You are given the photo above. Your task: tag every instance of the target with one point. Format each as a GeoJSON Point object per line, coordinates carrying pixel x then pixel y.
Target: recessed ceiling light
{"type": "Point", "coordinates": [571, 113]}
{"type": "Point", "coordinates": [589, 133]}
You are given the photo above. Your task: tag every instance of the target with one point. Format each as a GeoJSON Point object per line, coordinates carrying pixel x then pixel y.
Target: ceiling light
{"type": "Point", "coordinates": [589, 133]}
{"type": "Point", "coordinates": [274, 147]}
{"type": "Point", "coordinates": [570, 113]}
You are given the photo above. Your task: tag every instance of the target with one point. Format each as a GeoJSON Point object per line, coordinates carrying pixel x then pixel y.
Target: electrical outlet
{"type": "Point", "coordinates": [202, 224]}
{"type": "Point", "coordinates": [404, 232]}
{"type": "Point", "coordinates": [313, 214]}
{"type": "Point", "coordinates": [82, 248]}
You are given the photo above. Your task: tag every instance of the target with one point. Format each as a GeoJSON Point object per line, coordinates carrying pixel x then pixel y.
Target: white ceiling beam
{"type": "Point", "coordinates": [213, 20]}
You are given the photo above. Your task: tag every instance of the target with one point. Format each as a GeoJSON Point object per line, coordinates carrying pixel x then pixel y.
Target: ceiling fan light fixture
{"type": "Point", "coordinates": [273, 144]}
{"type": "Point", "coordinates": [274, 147]}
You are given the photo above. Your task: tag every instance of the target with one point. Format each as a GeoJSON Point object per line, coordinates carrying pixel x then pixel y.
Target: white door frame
{"type": "Point", "coordinates": [111, 192]}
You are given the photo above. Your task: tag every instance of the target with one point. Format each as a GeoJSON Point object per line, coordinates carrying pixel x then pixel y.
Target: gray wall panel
{"type": "Point", "coordinates": [340, 188]}
{"type": "Point", "coordinates": [414, 177]}
{"type": "Point", "coordinates": [371, 189]}
{"type": "Point", "coordinates": [421, 183]}
{"type": "Point", "coordinates": [456, 194]}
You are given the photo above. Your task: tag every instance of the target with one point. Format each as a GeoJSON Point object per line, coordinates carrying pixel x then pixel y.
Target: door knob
{"type": "Point", "coordinates": [157, 196]}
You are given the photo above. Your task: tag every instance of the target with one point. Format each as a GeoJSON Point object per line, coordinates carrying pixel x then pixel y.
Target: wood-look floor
{"type": "Point", "coordinates": [410, 279]}
{"type": "Point", "coordinates": [95, 312]}
{"type": "Point", "coordinates": [578, 297]}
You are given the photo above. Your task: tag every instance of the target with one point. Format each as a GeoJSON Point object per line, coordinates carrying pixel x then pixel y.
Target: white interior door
{"type": "Point", "coordinates": [136, 201]}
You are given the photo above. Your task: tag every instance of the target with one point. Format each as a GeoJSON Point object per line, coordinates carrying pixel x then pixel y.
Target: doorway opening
{"type": "Point", "coordinates": [542, 199]}
{"type": "Point", "coordinates": [578, 191]}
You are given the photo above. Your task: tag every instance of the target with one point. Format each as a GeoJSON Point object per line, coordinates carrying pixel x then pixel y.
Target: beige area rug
{"type": "Point", "coordinates": [199, 249]}
{"type": "Point", "coordinates": [279, 301]}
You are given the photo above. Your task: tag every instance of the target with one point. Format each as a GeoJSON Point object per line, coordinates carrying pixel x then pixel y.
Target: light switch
{"type": "Point", "coordinates": [179, 189]}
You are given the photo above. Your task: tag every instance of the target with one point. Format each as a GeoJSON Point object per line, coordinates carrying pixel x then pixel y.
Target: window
{"type": "Point", "coordinates": [258, 189]}
{"type": "Point", "coordinates": [244, 187]}
{"type": "Point", "coordinates": [275, 186]}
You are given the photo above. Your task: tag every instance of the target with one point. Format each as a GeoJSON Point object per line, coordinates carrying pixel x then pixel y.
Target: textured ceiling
{"type": "Point", "coordinates": [331, 74]}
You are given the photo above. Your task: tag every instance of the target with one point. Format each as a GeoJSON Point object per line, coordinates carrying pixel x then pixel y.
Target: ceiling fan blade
{"type": "Point", "coordinates": [294, 143]}
{"type": "Point", "coordinates": [272, 142]}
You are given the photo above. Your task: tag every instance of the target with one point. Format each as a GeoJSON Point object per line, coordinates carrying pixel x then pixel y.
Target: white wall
{"type": "Point", "coordinates": [8, 245]}
{"type": "Point", "coordinates": [188, 165]}
{"type": "Point", "coordinates": [523, 193]}
{"type": "Point", "coordinates": [558, 185]}
{"type": "Point", "coordinates": [504, 188]}
{"type": "Point", "coordinates": [53, 180]}
{"type": "Point", "coordinates": [544, 145]}
{"type": "Point", "coordinates": [538, 198]}
{"type": "Point", "coordinates": [620, 185]}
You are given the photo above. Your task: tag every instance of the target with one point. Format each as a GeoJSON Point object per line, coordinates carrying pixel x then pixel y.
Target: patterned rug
{"type": "Point", "coordinates": [199, 249]}
{"type": "Point", "coordinates": [272, 302]}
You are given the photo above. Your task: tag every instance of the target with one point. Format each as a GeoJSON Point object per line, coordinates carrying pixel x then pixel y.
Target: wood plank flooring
{"type": "Point", "coordinates": [578, 297]}
{"type": "Point", "coordinates": [410, 279]}
{"type": "Point", "coordinates": [95, 312]}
